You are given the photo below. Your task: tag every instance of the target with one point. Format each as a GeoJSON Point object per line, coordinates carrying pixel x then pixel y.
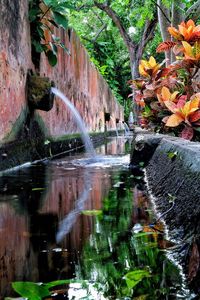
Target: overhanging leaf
{"type": "Point", "coordinates": [48, 2]}
{"type": "Point", "coordinates": [60, 19]}
{"type": "Point", "coordinates": [52, 58]}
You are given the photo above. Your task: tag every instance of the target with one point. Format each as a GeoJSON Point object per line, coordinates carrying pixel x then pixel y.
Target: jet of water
{"type": "Point", "coordinates": [126, 128]}
{"type": "Point", "coordinates": [84, 135]}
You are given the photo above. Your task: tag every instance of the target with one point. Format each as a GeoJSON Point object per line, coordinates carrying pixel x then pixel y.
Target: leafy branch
{"type": "Point", "coordinates": [44, 16]}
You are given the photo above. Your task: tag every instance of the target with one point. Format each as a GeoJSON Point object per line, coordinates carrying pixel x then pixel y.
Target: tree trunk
{"type": "Point", "coordinates": [163, 14]}
{"type": "Point", "coordinates": [135, 49]}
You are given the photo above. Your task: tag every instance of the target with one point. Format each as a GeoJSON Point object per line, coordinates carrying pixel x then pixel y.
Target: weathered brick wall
{"type": "Point", "coordinates": [79, 80]}
{"type": "Point", "coordinates": [74, 75]}
{"type": "Point", "coordinates": [15, 59]}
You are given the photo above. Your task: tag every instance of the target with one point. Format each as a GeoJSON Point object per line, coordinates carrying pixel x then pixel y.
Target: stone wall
{"type": "Point", "coordinates": [172, 175]}
{"type": "Point", "coordinates": [74, 75]}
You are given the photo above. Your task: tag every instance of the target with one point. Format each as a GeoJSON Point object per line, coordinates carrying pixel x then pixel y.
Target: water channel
{"type": "Point", "coordinates": [87, 222]}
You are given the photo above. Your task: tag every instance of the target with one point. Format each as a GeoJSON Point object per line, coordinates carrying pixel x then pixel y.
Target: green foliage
{"type": "Point", "coordinates": [44, 16]}
{"type": "Point", "coordinates": [30, 290]}
{"type": "Point", "coordinates": [134, 277]}
{"type": "Point", "coordinates": [106, 50]}
{"type": "Point", "coordinates": [37, 291]}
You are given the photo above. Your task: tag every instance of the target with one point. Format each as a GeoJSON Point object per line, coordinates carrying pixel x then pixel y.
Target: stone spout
{"type": "Point", "coordinates": [39, 93]}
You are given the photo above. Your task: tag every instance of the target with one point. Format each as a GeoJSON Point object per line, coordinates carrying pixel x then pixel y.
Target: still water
{"type": "Point", "coordinates": [87, 221]}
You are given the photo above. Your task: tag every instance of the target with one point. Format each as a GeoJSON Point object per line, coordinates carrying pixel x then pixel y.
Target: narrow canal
{"type": "Point", "coordinates": [89, 222]}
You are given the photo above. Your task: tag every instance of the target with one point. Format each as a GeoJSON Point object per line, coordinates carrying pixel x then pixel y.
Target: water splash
{"type": "Point", "coordinates": [84, 135]}
{"type": "Point", "coordinates": [126, 128]}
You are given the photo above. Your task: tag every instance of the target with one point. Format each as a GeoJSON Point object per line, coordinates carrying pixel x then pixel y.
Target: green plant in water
{"type": "Point", "coordinates": [44, 17]}
{"type": "Point", "coordinates": [37, 291]}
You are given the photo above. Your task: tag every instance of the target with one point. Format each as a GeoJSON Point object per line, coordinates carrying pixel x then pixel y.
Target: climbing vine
{"type": "Point", "coordinates": [44, 17]}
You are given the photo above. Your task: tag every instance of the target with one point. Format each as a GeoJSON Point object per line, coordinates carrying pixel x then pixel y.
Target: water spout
{"type": "Point", "coordinates": [84, 135]}
{"type": "Point", "coordinates": [126, 129]}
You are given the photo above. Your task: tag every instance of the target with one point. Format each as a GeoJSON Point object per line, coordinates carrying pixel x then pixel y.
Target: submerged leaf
{"type": "Point", "coordinates": [62, 282]}
{"type": "Point", "coordinates": [93, 212]}
{"type": "Point", "coordinates": [30, 290]}
{"type": "Point", "coordinates": [134, 277]}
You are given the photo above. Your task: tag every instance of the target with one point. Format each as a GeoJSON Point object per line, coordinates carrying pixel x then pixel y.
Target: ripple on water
{"type": "Point", "coordinates": [102, 161]}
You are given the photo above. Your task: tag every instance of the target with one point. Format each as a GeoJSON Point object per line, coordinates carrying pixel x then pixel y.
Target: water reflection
{"type": "Point", "coordinates": [107, 235]}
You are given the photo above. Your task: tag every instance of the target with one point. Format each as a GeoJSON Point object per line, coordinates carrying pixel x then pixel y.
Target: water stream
{"type": "Point", "coordinates": [77, 118]}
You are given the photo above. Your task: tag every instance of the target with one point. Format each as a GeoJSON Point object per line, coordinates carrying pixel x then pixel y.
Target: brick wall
{"type": "Point", "coordinates": [74, 75]}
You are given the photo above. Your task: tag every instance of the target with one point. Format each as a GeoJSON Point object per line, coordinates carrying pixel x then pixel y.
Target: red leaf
{"type": "Point", "coordinates": [187, 133]}
{"type": "Point", "coordinates": [195, 116]}
{"type": "Point", "coordinates": [181, 101]}
{"type": "Point", "coordinates": [165, 46]}
{"type": "Point", "coordinates": [164, 72]}
{"type": "Point", "coordinates": [193, 262]}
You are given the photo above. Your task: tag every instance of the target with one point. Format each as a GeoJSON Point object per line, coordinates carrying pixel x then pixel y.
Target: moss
{"type": "Point", "coordinates": [17, 127]}
{"type": "Point", "coordinates": [38, 87]}
{"type": "Point", "coordinates": [39, 92]}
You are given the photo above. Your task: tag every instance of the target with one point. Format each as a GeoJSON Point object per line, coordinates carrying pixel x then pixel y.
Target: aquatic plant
{"type": "Point", "coordinates": [173, 89]}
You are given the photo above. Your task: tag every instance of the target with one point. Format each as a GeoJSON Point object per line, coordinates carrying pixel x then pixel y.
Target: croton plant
{"type": "Point", "coordinates": [169, 96]}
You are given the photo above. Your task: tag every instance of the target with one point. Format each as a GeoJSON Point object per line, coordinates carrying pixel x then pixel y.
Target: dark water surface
{"type": "Point", "coordinates": [75, 218]}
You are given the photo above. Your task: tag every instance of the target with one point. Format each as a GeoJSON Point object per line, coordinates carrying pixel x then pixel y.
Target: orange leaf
{"type": "Point", "coordinates": [188, 49]}
{"type": "Point", "coordinates": [165, 46]}
{"type": "Point", "coordinates": [194, 103]}
{"type": "Point", "coordinates": [142, 71]}
{"type": "Point", "coordinates": [165, 93]}
{"type": "Point", "coordinates": [175, 33]}
{"type": "Point", "coordinates": [174, 120]}
{"type": "Point", "coordinates": [190, 23]}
